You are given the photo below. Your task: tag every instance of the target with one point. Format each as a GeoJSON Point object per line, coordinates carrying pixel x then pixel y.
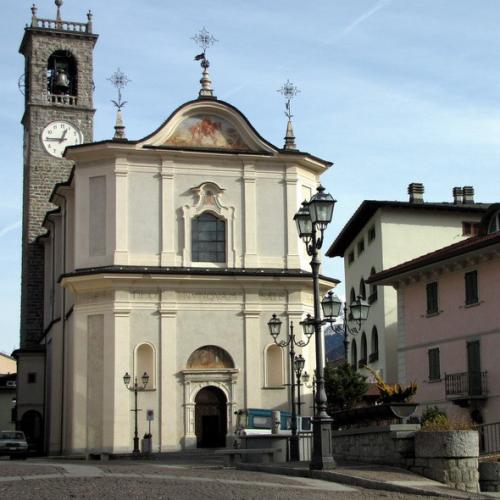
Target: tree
{"type": "Point", "coordinates": [344, 386]}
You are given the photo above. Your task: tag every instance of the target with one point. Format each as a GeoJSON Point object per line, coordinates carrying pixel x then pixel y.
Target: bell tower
{"type": "Point", "coordinates": [58, 88]}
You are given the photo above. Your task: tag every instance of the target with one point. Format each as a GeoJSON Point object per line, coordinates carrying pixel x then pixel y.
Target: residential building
{"type": "Point", "coordinates": [449, 323]}
{"type": "Point", "coordinates": [7, 391]}
{"type": "Point", "coordinates": [166, 255]}
{"type": "Point", "coordinates": [382, 234]}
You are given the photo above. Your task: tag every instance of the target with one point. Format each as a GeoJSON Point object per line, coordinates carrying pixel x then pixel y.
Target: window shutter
{"type": "Point", "coordinates": [471, 292]}
{"type": "Point", "coordinates": [434, 368]}
{"type": "Point", "coordinates": [432, 297]}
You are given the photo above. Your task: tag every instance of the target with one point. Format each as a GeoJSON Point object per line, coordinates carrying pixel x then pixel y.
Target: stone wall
{"type": "Point", "coordinates": [448, 457]}
{"type": "Point", "coordinates": [489, 476]}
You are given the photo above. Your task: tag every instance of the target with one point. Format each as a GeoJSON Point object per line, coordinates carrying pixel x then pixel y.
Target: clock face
{"type": "Point", "coordinates": [58, 135]}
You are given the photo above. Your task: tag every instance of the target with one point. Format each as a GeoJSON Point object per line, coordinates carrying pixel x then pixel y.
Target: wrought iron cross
{"type": "Point", "coordinates": [288, 91]}
{"type": "Point", "coordinates": [204, 39]}
{"type": "Point", "coordinates": [119, 80]}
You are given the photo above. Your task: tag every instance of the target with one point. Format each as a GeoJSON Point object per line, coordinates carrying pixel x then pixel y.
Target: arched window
{"type": "Point", "coordinates": [374, 345]}
{"type": "Point", "coordinates": [364, 350]}
{"type": "Point", "coordinates": [62, 74]}
{"type": "Point", "coordinates": [373, 289]}
{"type": "Point", "coordinates": [145, 362]}
{"type": "Point", "coordinates": [494, 224]}
{"type": "Point", "coordinates": [354, 354]}
{"type": "Point", "coordinates": [362, 289]}
{"type": "Point", "coordinates": [209, 357]}
{"type": "Point", "coordinates": [208, 238]}
{"type": "Point", "coordinates": [352, 296]}
{"type": "Point", "coordinates": [274, 366]}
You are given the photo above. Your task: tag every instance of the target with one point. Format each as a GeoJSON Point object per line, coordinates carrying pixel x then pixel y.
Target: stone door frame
{"type": "Point", "coordinates": [194, 380]}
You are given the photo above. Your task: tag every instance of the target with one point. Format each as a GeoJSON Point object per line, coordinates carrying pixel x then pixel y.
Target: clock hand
{"type": "Point", "coordinates": [63, 136]}
{"type": "Point", "coordinates": [54, 139]}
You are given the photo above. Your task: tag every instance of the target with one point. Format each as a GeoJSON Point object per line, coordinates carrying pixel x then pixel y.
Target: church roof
{"type": "Point", "coordinates": [203, 125]}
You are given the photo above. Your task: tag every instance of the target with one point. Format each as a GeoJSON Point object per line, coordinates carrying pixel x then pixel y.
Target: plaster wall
{"type": "Point", "coordinates": [401, 235]}
{"type": "Point", "coordinates": [7, 364]}
{"type": "Point", "coordinates": [450, 330]}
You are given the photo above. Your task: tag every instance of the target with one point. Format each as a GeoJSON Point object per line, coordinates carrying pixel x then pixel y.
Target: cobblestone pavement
{"type": "Point", "coordinates": [75, 480]}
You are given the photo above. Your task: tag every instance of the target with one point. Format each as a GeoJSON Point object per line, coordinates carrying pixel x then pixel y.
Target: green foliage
{"type": "Point", "coordinates": [432, 414]}
{"type": "Point", "coordinates": [433, 420]}
{"type": "Point", "coordinates": [344, 387]}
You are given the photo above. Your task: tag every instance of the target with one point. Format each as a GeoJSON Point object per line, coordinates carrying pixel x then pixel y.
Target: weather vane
{"type": "Point", "coordinates": [204, 40]}
{"type": "Point", "coordinates": [119, 80]}
{"type": "Point", "coordinates": [288, 91]}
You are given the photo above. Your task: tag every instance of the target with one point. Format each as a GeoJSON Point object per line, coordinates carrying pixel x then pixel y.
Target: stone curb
{"type": "Point", "coordinates": [362, 482]}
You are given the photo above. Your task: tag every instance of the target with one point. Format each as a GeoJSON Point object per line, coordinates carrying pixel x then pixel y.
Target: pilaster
{"type": "Point", "coordinates": [250, 258]}
{"type": "Point", "coordinates": [253, 371]}
{"type": "Point", "coordinates": [292, 205]}
{"type": "Point", "coordinates": [168, 226]}
{"type": "Point", "coordinates": [121, 212]}
{"type": "Point", "coordinates": [169, 404]}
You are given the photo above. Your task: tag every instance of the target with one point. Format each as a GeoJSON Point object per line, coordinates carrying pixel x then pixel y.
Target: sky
{"type": "Point", "coordinates": [391, 91]}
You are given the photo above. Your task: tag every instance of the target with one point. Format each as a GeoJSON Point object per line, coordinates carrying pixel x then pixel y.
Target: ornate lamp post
{"type": "Point", "coordinates": [298, 364]}
{"type": "Point", "coordinates": [359, 310]}
{"type": "Point", "coordinates": [312, 220]}
{"type": "Point", "coordinates": [135, 387]}
{"type": "Point", "coordinates": [274, 325]}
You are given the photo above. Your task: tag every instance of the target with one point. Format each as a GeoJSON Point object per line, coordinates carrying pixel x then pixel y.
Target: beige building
{"type": "Point", "coordinates": [7, 391]}
{"type": "Point", "coordinates": [383, 234]}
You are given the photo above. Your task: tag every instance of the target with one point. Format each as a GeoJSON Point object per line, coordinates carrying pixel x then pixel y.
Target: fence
{"type": "Point", "coordinates": [489, 438]}
{"type": "Point", "coordinates": [305, 446]}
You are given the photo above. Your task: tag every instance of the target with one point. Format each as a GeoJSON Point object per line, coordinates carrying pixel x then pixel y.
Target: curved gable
{"type": "Point", "coordinates": [208, 125]}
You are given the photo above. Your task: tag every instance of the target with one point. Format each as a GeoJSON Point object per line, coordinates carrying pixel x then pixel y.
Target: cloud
{"type": "Point", "coordinates": [9, 228]}
{"type": "Point", "coordinates": [381, 4]}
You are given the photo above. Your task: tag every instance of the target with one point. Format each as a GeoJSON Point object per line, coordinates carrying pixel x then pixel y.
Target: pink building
{"type": "Point", "coordinates": [449, 323]}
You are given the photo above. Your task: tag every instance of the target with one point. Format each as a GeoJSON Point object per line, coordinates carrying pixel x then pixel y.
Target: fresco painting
{"type": "Point", "coordinates": [206, 131]}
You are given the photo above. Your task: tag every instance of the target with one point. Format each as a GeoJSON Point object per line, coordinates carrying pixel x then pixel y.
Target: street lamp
{"type": "Point", "coordinates": [298, 364]}
{"type": "Point", "coordinates": [135, 387]}
{"type": "Point", "coordinates": [359, 310]}
{"type": "Point", "coordinates": [305, 378]}
{"type": "Point", "coordinates": [313, 218]}
{"type": "Point", "coordinates": [274, 325]}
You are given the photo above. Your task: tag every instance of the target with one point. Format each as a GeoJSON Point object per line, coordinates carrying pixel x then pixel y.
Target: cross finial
{"type": "Point", "coordinates": [34, 10]}
{"type": "Point", "coordinates": [119, 80]}
{"type": "Point", "coordinates": [204, 40]}
{"type": "Point", "coordinates": [59, 4]}
{"type": "Point", "coordinates": [289, 91]}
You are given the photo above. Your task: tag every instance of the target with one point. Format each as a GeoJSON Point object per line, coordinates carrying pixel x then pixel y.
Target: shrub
{"type": "Point", "coordinates": [344, 387]}
{"type": "Point", "coordinates": [443, 423]}
{"type": "Point", "coordinates": [432, 414]}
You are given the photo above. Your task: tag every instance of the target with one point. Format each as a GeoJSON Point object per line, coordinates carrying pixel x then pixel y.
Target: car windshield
{"type": "Point", "coordinates": [11, 435]}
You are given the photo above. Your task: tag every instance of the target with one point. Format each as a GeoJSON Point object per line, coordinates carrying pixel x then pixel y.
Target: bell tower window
{"type": "Point", "coordinates": [62, 74]}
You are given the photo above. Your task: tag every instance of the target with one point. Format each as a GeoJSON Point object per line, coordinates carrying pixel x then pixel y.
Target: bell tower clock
{"type": "Point", "coordinates": [58, 88]}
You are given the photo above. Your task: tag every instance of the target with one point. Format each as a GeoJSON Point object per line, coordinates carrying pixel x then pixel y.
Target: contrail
{"type": "Point", "coordinates": [363, 17]}
{"type": "Point", "coordinates": [9, 228]}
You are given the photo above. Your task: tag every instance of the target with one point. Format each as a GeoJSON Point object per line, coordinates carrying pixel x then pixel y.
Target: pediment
{"type": "Point", "coordinates": [208, 125]}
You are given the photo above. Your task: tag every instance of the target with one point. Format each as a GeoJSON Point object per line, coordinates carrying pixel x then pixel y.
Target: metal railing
{"type": "Point", "coordinates": [465, 385]}
{"type": "Point", "coordinates": [305, 446]}
{"type": "Point", "coordinates": [489, 438]}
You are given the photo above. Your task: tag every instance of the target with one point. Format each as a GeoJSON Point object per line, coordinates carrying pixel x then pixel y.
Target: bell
{"type": "Point", "coordinates": [61, 81]}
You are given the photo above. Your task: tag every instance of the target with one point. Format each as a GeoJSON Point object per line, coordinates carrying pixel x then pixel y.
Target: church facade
{"type": "Point", "coordinates": [166, 255]}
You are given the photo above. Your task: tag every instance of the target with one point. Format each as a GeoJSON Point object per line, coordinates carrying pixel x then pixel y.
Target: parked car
{"type": "Point", "coordinates": [13, 444]}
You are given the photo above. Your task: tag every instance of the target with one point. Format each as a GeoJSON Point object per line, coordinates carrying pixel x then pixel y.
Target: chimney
{"type": "Point", "coordinates": [468, 194]}
{"type": "Point", "coordinates": [416, 192]}
{"type": "Point", "coordinates": [458, 195]}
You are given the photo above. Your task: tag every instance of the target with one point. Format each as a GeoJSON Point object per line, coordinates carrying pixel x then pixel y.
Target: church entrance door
{"type": "Point", "coordinates": [210, 418]}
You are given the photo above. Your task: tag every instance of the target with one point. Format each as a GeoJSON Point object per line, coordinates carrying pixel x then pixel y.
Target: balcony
{"type": "Point", "coordinates": [465, 386]}
{"type": "Point", "coordinates": [373, 357]}
{"type": "Point", "coordinates": [362, 363]}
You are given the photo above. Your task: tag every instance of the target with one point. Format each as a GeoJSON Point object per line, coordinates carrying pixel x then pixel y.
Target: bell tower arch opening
{"type": "Point", "coordinates": [62, 74]}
